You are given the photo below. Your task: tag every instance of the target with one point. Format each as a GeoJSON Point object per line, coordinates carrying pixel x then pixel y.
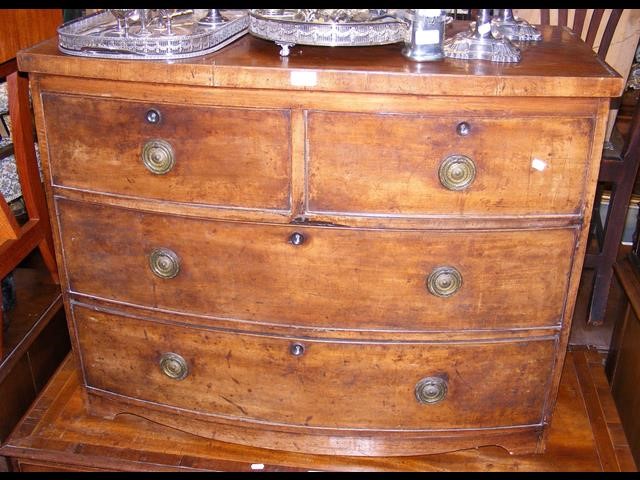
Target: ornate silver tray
{"type": "Point", "coordinates": [96, 36]}
{"type": "Point", "coordinates": [329, 28]}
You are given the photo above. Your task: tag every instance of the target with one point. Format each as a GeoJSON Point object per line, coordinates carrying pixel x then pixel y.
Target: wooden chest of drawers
{"type": "Point", "coordinates": [365, 257]}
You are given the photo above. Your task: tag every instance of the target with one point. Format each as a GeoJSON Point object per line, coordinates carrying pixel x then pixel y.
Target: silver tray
{"type": "Point", "coordinates": [288, 27]}
{"type": "Point", "coordinates": [89, 37]}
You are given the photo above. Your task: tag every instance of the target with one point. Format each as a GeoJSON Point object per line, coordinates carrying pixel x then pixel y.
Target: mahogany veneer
{"type": "Point", "coordinates": [340, 252]}
{"type": "Point", "coordinates": [58, 435]}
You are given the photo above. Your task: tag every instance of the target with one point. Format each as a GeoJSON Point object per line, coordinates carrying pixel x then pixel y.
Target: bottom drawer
{"type": "Point", "coordinates": [311, 383]}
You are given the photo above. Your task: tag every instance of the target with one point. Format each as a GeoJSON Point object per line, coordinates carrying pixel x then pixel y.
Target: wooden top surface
{"type": "Point", "coordinates": [585, 435]}
{"type": "Point", "coordinates": [560, 65]}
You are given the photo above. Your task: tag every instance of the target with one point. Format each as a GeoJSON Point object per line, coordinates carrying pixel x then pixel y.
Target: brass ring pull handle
{"type": "Point", "coordinates": [431, 390]}
{"type": "Point", "coordinates": [457, 172]}
{"type": "Point", "coordinates": [174, 366]}
{"type": "Point", "coordinates": [158, 156]}
{"type": "Point", "coordinates": [164, 263]}
{"type": "Point", "coordinates": [444, 281]}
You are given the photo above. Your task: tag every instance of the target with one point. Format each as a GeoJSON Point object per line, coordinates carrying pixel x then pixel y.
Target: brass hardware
{"type": "Point", "coordinates": [296, 238]}
{"type": "Point", "coordinates": [296, 349]}
{"type": "Point", "coordinates": [174, 366]}
{"type": "Point", "coordinates": [431, 390]}
{"type": "Point", "coordinates": [444, 281]}
{"type": "Point", "coordinates": [153, 116]}
{"type": "Point", "coordinates": [158, 156]}
{"type": "Point", "coordinates": [457, 172]}
{"type": "Point", "coordinates": [463, 129]}
{"type": "Point", "coordinates": [164, 263]}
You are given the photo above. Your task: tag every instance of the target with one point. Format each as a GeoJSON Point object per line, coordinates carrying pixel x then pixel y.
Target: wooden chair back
{"type": "Point", "coordinates": [577, 26]}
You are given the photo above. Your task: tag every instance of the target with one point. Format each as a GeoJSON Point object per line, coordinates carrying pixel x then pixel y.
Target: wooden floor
{"type": "Point", "coordinates": [56, 434]}
{"type": "Point", "coordinates": [35, 343]}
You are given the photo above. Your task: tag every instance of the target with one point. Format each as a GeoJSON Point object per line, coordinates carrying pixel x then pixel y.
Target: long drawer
{"type": "Point", "coordinates": [316, 383]}
{"type": "Point", "coordinates": [449, 165]}
{"type": "Point", "coordinates": [181, 153]}
{"type": "Point", "coordinates": [331, 277]}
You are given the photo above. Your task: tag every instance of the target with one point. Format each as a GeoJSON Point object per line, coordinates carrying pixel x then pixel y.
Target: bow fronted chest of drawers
{"type": "Point", "coordinates": [338, 252]}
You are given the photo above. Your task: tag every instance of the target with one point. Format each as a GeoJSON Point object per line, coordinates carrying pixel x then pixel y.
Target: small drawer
{"type": "Point", "coordinates": [316, 383]}
{"type": "Point", "coordinates": [420, 165]}
{"type": "Point", "coordinates": [193, 154]}
{"type": "Point", "coordinates": [321, 277]}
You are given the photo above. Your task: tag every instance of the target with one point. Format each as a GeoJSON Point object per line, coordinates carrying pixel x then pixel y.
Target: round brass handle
{"type": "Point", "coordinates": [152, 116]}
{"type": "Point", "coordinates": [164, 263]}
{"type": "Point", "coordinates": [158, 156]}
{"type": "Point", "coordinates": [444, 281]}
{"type": "Point", "coordinates": [174, 366]}
{"type": "Point", "coordinates": [296, 238]}
{"type": "Point", "coordinates": [463, 129]}
{"type": "Point", "coordinates": [457, 172]}
{"type": "Point", "coordinates": [431, 390]}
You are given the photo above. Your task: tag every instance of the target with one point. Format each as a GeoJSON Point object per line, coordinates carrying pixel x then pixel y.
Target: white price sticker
{"type": "Point", "coordinates": [539, 165]}
{"type": "Point", "coordinates": [301, 78]}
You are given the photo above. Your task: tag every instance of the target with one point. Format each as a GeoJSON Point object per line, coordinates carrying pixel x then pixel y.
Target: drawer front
{"type": "Point", "coordinates": [317, 383]}
{"type": "Point", "coordinates": [392, 164]}
{"type": "Point", "coordinates": [194, 154]}
{"type": "Point", "coordinates": [335, 277]}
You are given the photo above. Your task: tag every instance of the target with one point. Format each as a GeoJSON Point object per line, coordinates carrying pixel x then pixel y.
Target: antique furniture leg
{"type": "Point", "coordinates": [27, 166]}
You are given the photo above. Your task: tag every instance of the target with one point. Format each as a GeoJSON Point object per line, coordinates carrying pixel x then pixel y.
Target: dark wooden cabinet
{"type": "Point", "coordinates": [380, 260]}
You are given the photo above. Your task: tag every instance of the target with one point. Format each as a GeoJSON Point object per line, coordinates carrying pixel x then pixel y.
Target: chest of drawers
{"type": "Point", "coordinates": [379, 259]}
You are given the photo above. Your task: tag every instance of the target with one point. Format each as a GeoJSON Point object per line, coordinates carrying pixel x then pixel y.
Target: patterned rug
{"type": "Point", "coordinates": [9, 182]}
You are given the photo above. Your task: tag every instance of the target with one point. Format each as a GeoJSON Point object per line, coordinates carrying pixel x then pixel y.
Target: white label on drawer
{"type": "Point", "coordinates": [427, 37]}
{"type": "Point", "coordinates": [301, 78]}
{"type": "Point", "coordinates": [538, 164]}
{"type": "Point", "coordinates": [257, 466]}
{"type": "Point", "coordinates": [484, 28]}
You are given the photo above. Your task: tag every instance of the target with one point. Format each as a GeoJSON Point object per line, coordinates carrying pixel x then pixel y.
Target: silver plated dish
{"type": "Point", "coordinates": [328, 28]}
{"type": "Point", "coordinates": [96, 36]}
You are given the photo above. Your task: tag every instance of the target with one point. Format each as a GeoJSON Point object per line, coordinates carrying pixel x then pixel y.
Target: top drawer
{"type": "Point", "coordinates": [399, 164]}
{"type": "Point", "coordinates": [221, 156]}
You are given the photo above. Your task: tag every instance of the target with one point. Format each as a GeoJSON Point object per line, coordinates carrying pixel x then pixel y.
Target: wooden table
{"type": "Point", "coordinates": [57, 434]}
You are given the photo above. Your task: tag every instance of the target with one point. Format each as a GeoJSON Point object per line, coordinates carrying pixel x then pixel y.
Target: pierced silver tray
{"type": "Point", "coordinates": [90, 37]}
{"type": "Point", "coordinates": [287, 27]}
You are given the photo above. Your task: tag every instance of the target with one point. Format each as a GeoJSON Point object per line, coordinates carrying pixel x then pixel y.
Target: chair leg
{"type": "Point", "coordinates": [621, 195]}
{"type": "Point", "coordinates": [27, 165]}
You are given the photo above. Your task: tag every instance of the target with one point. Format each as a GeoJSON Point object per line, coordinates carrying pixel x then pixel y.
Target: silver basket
{"type": "Point", "coordinates": [285, 29]}
{"type": "Point", "coordinates": [87, 37]}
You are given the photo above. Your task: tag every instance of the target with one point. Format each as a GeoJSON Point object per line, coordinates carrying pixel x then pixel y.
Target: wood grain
{"type": "Point", "coordinates": [22, 28]}
{"type": "Point", "coordinates": [256, 378]}
{"type": "Point", "coordinates": [254, 63]}
{"type": "Point", "coordinates": [389, 164]}
{"type": "Point", "coordinates": [58, 435]}
{"type": "Point", "coordinates": [376, 280]}
{"type": "Point", "coordinates": [375, 224]}
{"type": "Point", "coordinates": [624, 356]}
{"type": "Point", "coordinates": [223, 156]}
